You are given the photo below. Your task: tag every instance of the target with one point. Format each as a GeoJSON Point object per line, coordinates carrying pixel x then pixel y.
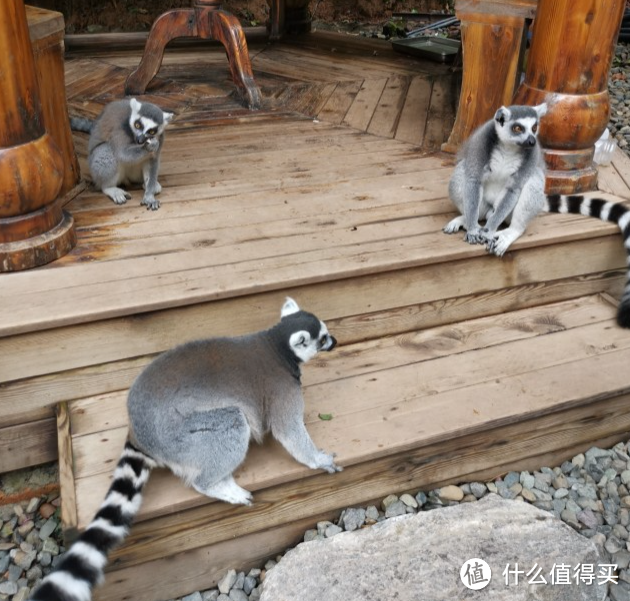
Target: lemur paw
{"type": "Point", "coordinates": [151, 202]}
{"type": "Point", "coordinates": [118, 195]}
{"type": "Point", "coordinates": [475, 237]}
{"type": "Point", "coordinates": [454, 225]}
{"type": "Point", "coordinates": [326, 461]}
{"type": "Point", "coordinates": [152, 144]}
{"type": "Point", "coordinates": [496, 246]}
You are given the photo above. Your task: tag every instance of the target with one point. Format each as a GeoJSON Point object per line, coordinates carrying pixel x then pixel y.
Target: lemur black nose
{"type": "Point", "coordinates": [531, 141]}
{"type": "Point", "coordinates": [333, 344]}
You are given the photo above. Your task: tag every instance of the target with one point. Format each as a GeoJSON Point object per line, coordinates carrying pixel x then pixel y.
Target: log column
{"type": "Point", "coordinates": [573, 43]}
{"type": "Point", "coordinates": [33, 228]}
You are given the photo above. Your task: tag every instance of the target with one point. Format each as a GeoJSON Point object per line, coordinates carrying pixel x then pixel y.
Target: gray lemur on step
{"type": "Point", "coordinates": [500, 177]}
{"type": "Point", "coordinates": [194, 410]}
{"type": "Point", "coordinates": [124, 148]}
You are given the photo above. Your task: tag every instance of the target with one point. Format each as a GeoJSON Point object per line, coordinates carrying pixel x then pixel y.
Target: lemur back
{"type": "Point", "coordinates": [500, 177]}
{"type": "Point", "coordinates": [124, 148]}
{"type": "Point", "coordinates": [194, 410]}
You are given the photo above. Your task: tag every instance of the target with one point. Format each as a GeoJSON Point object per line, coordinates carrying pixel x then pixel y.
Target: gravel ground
{"type": "Point", "coordinates": [590, 492]}
{"type": "Point", "coordinates": [619, 89]}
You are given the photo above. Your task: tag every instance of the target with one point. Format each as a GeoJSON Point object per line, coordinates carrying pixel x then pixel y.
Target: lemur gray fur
{"type": "Point", "coordinates": [124, 148]}
{"type": "Point", "coordinates": [194, 410]}
{"type": "Point", "coordinates": [500, 177]}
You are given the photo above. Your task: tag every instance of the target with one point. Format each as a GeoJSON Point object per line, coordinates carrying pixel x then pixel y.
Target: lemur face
{"type": "Point", "coordinates": [145, 126]}
{"type": "Point", "coordinates": [518, 125]}
{"type": "Point", "coordinates": [310, 335]}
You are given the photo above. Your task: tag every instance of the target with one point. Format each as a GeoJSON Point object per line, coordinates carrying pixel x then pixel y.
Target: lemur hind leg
{"type": "Point", "coordinates": [103, 162]}
{"type": "Point", "coordinates": [463, 197]}
{"type": "Point", "coordinates": [208, 448]}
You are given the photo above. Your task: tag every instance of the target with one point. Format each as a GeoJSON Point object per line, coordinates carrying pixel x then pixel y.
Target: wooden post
{"type": "Point", "coordinates": [33, 227]}
{"type": "Point", "coordinates": [492, 44]}
{"type": "Point", "coordinates": [289, 16]}
{"type": "Point", "coordinates": [573, 43]}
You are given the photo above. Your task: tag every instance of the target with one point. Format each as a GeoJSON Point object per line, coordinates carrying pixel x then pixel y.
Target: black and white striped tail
{"type": "Point", "coordinates": [82, 566]}
{"type": "Point", "coordinates": [606, 211]}
{"type": "Point", "coordinates": [81, 124]}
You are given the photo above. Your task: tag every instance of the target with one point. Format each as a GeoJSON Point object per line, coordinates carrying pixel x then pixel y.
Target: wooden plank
{"type": "Point", "coordinates": [69, 515]}
{"type": "Point", "coordinates": [440, 116]}
{"type": "Point", "coordinates": [413, 118]}
{"type": "Point", "coordinates": [26, 444]}
{"type": "Point", "coordinates": [339, 102]}
{"type": "Point", "coordinates": [385, 119]}
{"type": "Point", "coordinates": [362, 110]}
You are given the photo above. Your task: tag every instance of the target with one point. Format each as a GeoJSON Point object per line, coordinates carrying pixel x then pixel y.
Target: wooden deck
{"type": "Point", "coordinates": [452, 364]}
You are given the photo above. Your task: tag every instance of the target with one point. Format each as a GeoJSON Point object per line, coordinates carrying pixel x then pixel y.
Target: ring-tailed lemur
{"type": "Point", "coordinates": [500, 177]}
{"type": "Point", "coordinates": [194, 410]}
{"type": "Point", "coordinates": [124, 148]}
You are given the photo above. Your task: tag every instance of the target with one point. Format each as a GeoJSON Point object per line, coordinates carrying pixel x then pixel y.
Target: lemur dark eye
{"type": "Point", "coordinates": [138, 124]}
{"type": "Point", "coordinates": [517, 129]}
{"type": "Point", "coordinates": [535, 128]}
{"type": "Point", "coordinates": [323, 340]}
{"type": "Point", "coordinates": [152, 131]}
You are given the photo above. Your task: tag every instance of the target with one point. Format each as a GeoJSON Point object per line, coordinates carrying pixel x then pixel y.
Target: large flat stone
{"type": "Point", "coordinates": [419, 557]}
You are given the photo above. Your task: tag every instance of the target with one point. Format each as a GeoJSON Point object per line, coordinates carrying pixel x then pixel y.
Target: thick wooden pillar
{"type": "Point", "coordinates": [33, 227]}
{"type": "Point", "coordinates": [573, 43]}
{"type": "Point", "coordinates": [493, 33]}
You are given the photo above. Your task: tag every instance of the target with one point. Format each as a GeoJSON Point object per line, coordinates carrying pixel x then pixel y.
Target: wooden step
{"type": "Point", "coordinates": [473, 399]}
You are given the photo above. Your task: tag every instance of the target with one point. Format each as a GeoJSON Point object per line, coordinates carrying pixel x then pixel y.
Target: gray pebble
{"type": "Point", "coordinates": [371, 513]}
{"type": "Point", "coordinates": [249, 584]}
{"type": "Point", "coordinates": [227, 582]}
{"type": "Point", "coordinates": [396, 509]}
{"type": "Point", "coordinates": [354, 518]}
{"type": "Point", "coordinates": [240, 579]}
{"type": "Point", "coordinates": [211, 595]}
{"type": "Point", "coordinates": [48, 528]}
{"type": "Point", "coordinates": [8, 588]}
{"type": "Point", "coordinates": [478, 489]}
{"type": "Point", "coordinates": [196, 596]}
{"type": "Point", "coordinates": [332, 530]}
{"type": "Point", "coordinates": [613, 544]}
{"type": "Point", "coordinates": [238, 595]}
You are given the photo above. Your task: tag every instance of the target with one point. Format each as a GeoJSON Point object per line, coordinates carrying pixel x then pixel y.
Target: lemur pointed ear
{"type": "Point", "coordinates": [289, 307]}
{"type": "Point", "coordinates": [168, 117]}
{"type": "Point", "coordinates": [135, 105]}
{"type": "Point", "coordinates": [541, 109]}
{"type": "Point", "coordinates": [502, 115]}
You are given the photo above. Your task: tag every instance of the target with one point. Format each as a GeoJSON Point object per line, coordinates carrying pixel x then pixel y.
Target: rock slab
{"type": "Point", "coordinates": [420, 557]}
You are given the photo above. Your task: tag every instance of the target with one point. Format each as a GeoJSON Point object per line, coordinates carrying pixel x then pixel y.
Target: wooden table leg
{"type": "Point", "coordinates": [172, 24]}
{"type": "Point", "coordinates": [225, 28]}
{"type": "Point", "coordinates": [205, 21]}
{"type": "Point", "coordinates": [33, 227]}
{"type": "Point", "coordinates": [573, 44]}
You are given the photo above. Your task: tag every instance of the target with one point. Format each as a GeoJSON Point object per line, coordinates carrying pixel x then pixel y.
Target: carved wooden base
{"type": "Point", "coordinates": [204, 22]}
{"type": "Point", "coordinates": [36, 238]}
